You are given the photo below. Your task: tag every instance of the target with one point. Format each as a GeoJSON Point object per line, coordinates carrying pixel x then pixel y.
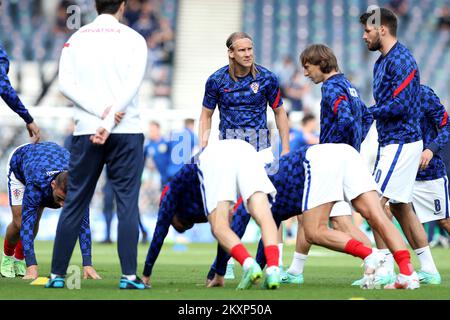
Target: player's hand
{"type": "Point", "coordinates": [34, 132]}
{"type": "Point", "coordinates": [118, 117]}
{"type": "Point", "coordinates": [100, 136]}
{"type": "Point", "coordinates": [106, 112]}
{"type": "Point", "coordinates": [146, 281]}
{"type": "Point", "coordinates": [425, 159]}
{"type": "Point", "coordinates": [89, 272]}
{"type": "Point", "coordinates": [217, 281]}
{"type": "Point", "coordinates": [31, 273]}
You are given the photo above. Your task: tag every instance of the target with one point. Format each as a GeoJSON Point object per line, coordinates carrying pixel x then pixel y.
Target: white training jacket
{"type": "Point", "coordinates": [102, 65]}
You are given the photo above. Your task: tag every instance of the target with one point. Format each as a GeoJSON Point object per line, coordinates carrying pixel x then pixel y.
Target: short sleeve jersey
{"type": "Point", "coordinates": [243, 104]}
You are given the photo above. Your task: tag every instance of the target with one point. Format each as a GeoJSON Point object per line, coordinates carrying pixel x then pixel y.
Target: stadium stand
{"type": "Point", "coordinates": [282, 27]}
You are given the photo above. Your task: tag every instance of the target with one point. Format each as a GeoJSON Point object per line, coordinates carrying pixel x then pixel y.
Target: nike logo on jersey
{"type": "Point", "coordinates": [52, 173]}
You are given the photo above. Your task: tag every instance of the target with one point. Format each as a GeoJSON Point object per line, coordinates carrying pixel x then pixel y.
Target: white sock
{"type": "Point", "coordinates": [230, 262]}
{"type": "Point", "coordinates": [298, 263]}
{"type": "Point", "coordinates": [53, 276]}
{"type": "Point", "coordinates": [280, 257]}
{"type": "Point", "coordinates": [271, 270]}
{"type": "Point", "coordinates": [426, 260]}
{"type": "Point", "coordinates": [131, 277]}
{"type": "Point", "coordinates": [389, 263]}
{"type": "Point", "coordinates": [248, 263]}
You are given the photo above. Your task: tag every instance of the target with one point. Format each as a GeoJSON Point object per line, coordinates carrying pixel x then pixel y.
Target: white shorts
{"type": "Point", "coordinates": [340, 209]}
{"type": "Point", "coordinates": [396, 170]}
{"type": "Point", "coordinates": [430, 199]}
{"type": "Point", "coordinates": [229, 169]}
{"type": "Point", "coordinates": [334, 172]}
{"type": "Point", "coordinates": [15, 188]}
{"type": "Point", "coordinates": [266, 155]}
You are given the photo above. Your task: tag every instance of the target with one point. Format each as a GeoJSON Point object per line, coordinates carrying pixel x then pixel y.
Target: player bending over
{"type": "Point", "coordinates": [37, 178]}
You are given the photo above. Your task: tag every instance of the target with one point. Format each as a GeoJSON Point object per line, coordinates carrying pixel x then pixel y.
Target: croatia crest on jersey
{"type": "Point", "coordinates": [255, 87]}
{"type": "Point", "coordinates": [16, 193]}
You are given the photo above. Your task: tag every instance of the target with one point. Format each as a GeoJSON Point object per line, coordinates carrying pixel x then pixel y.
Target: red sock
{"type": "Point", "coordinates": [403, 259]}
{"type": "Point", "coordinates": [272, 254]}
{"type": "Point", "coordinates": [18, 253]}
{"type": "Point", "coordinates": [357, 249]}
{"type": "Point", "coordinates": [240, 253]}
{"type": "Point", "coordinates": [8, 249]}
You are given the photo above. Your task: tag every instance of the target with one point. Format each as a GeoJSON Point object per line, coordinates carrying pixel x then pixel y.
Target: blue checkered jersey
{"type": "Point", "coordinates": [289, 183]}
{"type": "Point", "coordinates": [243, 104]}
{"type": "Point", "coordinates": [35, 166]}
{"type": "Point", "coordinates": [435, 133]}
{"type": "Point", "coordinates": [396, 89]}
{"type": "Point", "coordinates": [181, 197]}
{"type": "Point", "coordinates": [159, 151]}
{"type": "Point", "coordinates": [7, 92]}
{"type": "Point", "coordinates": [344, 118]}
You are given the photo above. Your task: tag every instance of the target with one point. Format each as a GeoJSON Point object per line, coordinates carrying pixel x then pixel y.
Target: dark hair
{"type": "Point", "coordinates": [189, 121]}
{"type": "Point", "coordinates": [62, 180]}
{"type": "Point", "coordinates": [308, 117]}
{"type": "Point", "coordinates": [387, 19]}
{"type": "Point", "coordinates": [320, 55]}
{"type": "Point", "coordinates": [108, 6]}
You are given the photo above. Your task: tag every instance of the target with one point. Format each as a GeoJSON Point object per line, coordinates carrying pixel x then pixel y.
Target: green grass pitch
{"type": "Point", "coordinates": [180, 275]}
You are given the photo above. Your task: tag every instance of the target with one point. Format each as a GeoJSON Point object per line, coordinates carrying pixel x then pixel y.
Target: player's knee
{"type": "Point", "coordinates": [220, 230]}
{"type": "Point", "coordinates": [312, 236]}
{"type": "Point", "coordinates": [335, 224]}
{"type": "Point", "coordinates": [377, 220]}
{"type": "Point", "coordinates": [342, 224]}
{"type": "Point", "coordinates": [17, 222]}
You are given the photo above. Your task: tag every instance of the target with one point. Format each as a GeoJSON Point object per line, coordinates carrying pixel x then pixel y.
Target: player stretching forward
{"type": "Point", "coordinates": [181, 203]}
{"type": "Point", "coordinates": [396, 89]}
{"type": "Point", "coordinates": [205, 192]}
{"type": "Point", "coordinates": [227, 169]}
{"type": "Point", "coordinates": [181, 206]}
{"type": "Point", "coordinates": [344, 119]}
{"type": "Point", "coordinates": [327, 173]}
{"type": "Point", "coordinates": [37, 178]}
